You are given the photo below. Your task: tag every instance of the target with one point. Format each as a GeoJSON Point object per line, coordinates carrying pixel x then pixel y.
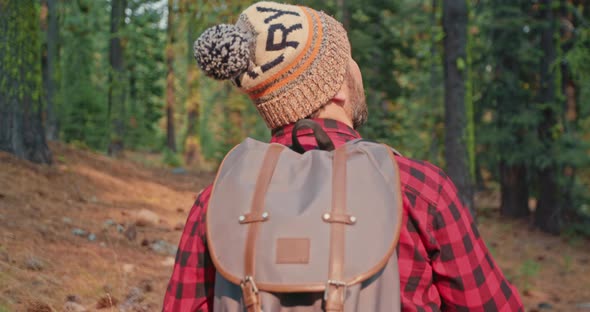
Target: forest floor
{"type": "Point", "coordinates": [95, 232]}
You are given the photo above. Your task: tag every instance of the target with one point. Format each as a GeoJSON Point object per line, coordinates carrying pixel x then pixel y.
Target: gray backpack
{"type": "Point", "coordinates": [306, 232]}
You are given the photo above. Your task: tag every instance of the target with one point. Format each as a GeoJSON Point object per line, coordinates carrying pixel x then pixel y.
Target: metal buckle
{"type": "Point", "coordinates": [337, 284]}
{"type": "Point", "coordinates": [250, 280]}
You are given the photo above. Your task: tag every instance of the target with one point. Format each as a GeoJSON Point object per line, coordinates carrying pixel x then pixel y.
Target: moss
{"type": "Point", "coordinates": [23, 54]}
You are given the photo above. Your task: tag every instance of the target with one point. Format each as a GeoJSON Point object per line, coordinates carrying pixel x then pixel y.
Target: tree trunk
{"type": "Point", "coordinates": [116, 106]}
{"type": "Point", "coordinates": [469, 112]}
{"type": "Point", "coordinates": [515, 193]}
{"type": "Point", "coordinates": [455, 62]}
{"type": "Point", "coordinates": [343, 12]}
{"type": "Point", "coordinates": [133, 107]}
{"type": "Point", "coordinates": [434, 81]}
{"type": "Point", "coordinates": [49, 68]}
{"type": "Point", "coordinates": [548, 212]}
{"type": "Point", "coordinates": [170, 100]}
{"type": "Point", "coordinates": [44, 63]}
{"type": "Point", "coordinates": [21, 128]}
{"type": "Point", "coordinates": [570, 106]}
{"type": "Point", "coordinates": [192, 146]}
{"type": "Point", "coordinates": [192, 103]}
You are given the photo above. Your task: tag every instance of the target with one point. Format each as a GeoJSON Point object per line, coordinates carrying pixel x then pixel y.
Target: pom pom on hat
{"type": "Point", "coordinates": [223, 52]}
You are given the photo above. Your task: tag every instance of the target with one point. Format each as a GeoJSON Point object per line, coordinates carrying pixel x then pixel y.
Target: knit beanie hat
{"type": "Point", "coordinates": [290, 60]}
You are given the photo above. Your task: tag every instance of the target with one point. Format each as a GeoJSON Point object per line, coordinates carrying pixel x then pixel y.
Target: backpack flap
{"type": "Point", "coordinates": [290, 237]}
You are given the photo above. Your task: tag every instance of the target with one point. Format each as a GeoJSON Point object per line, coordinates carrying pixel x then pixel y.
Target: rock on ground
{"type": "Point", "coordinates": [33, 264]}
{"type": "Point", "coordinates": [71, 306]}
{"type": "Point", "coordinates": [146, 218]}
{"type": "Point", "coordinates": [163, 247]}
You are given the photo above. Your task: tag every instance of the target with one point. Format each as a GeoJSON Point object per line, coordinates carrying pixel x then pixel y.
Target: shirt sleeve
{"type": "Point", "coordinates": [464, 272]}
{"type": "Point", "coordinates": [192, 283]}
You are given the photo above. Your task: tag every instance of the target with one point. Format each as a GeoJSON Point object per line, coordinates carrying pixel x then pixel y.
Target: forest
{"type": "Point", "coordinates": [495, 92]}
{"type": "Point", "coordinates": [120, 75]}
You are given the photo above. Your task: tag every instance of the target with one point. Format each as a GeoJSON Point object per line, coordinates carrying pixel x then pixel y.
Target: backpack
{"type": "Point", "coordinates": [313, 231]}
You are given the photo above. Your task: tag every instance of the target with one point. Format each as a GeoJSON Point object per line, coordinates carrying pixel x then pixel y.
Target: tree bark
{"type": "Point", "coordinates": [434, 81]}
{"type": "Point", "coordinates": [170, 99]}
{"type": "Point", "coordinates": [116, 104]}
{"type": "Point", "coordinates": [44, 62]}
{"type": "Point", "coordinates": [192, 103]}
{"type": "Point", "coordinates": [49, 68]}
{"type": "Point", "coordinates": [343, 11]}
{"type": "Point", "coordinates": [133, 99]}
{"type": "Point", "coordinates": [570, 104]}
{"type": "Point", "coordinates": [21, 127]}
{"type": "Point", "coordinates": [192, 146]}
{"type": "Point", "coordinates": [455, 17]}
{"type": "Point", "coordinates": [515, 193]}
{"type": "Point", "coordinates": [548, 212]}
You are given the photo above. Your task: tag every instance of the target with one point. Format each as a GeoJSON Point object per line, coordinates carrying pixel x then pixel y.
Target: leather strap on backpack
{"type": "Point", "coordinates": [335, 292]}
{"type": "Point", "coordinates": [321, 137]}
{"type": "Point", "coordinates": [253, 220]}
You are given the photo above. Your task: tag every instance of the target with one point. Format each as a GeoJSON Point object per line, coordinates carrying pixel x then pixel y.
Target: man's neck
{"type": "Point", "coordinates": [335, 112]}
{"type": "Point", "coordinates": [329, 125]}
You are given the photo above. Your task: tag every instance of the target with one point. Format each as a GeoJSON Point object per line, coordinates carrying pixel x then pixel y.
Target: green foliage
{"type": "Point", "coordinates": [85, 69]}
{"type": "Point", "coordinates": [398, 46]}
{"type": "Point", "coordinates": [507, 105]}
{"type": "Point", "coordinates": [207, 125]}
{"type": "Point", "coordinates": [227, 117]}
{"type": "Point", "coordinates": [577, 232]}
{"type": "Point", "coordinates": [579, 61]}
{"type": "Point", "coordinates": [62, 159]}
{"type": "Point", "coordinates": [82, 97]}
{"type": "Point", "coordinates": [144, 56]}
{"type": "Point", "coordinates": [171, 158]}
{"type": "Point", "coordinates": [528, 271]}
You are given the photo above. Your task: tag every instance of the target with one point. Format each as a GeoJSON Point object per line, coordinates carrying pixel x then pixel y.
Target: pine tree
{"type": "Point", "coordinates": [50, 67]}
{"type": "Point", "coordinates": [549, 208]}
{"type": "Point", "coordinates": [191, 142]}
{"type": "Point", "coordinates": [21, 130]}
{"type": "Point", "coordinates": [508, 99]}
{"type": "Point", "coordinates": [576, 84]}
{"type": "Point", "coordinates": [117, 81]}
{"type": "Point", "coordinates": [455, 20]}
{"type": "Point", "coordinates": [170, 79]}
{"type": "Point", "coordinates": [82, 97]}
{"type": "Point", "coordinates": [146, 70]}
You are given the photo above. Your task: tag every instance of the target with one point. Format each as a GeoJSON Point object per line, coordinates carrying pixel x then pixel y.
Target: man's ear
{"type": "Point", "coordinates": [339, 98]}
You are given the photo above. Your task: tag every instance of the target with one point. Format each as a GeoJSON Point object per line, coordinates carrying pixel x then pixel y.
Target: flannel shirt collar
{"type": "Point", "coordinates": [339, 132]}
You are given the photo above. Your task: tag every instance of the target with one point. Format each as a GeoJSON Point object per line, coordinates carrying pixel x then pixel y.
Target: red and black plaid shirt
{"type": "Point", "coordinates": [444, 264]}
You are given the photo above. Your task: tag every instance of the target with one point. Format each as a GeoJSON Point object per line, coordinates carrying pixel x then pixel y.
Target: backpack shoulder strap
{"type": "Point", "coordinates": [361, 140]}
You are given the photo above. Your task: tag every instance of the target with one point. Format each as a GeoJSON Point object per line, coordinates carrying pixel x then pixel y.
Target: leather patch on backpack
{"type": "Point", "coordinates": [293, 251]}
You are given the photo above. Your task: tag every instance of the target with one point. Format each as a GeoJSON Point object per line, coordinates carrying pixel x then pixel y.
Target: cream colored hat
{"type": "Point", "coordinates": [290, 60]}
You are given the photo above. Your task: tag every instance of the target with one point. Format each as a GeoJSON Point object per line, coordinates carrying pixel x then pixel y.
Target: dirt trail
{"type": "Point", "coordinates": [65, 233]}
{"type": "Point", "coordinates": [41, 260]}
